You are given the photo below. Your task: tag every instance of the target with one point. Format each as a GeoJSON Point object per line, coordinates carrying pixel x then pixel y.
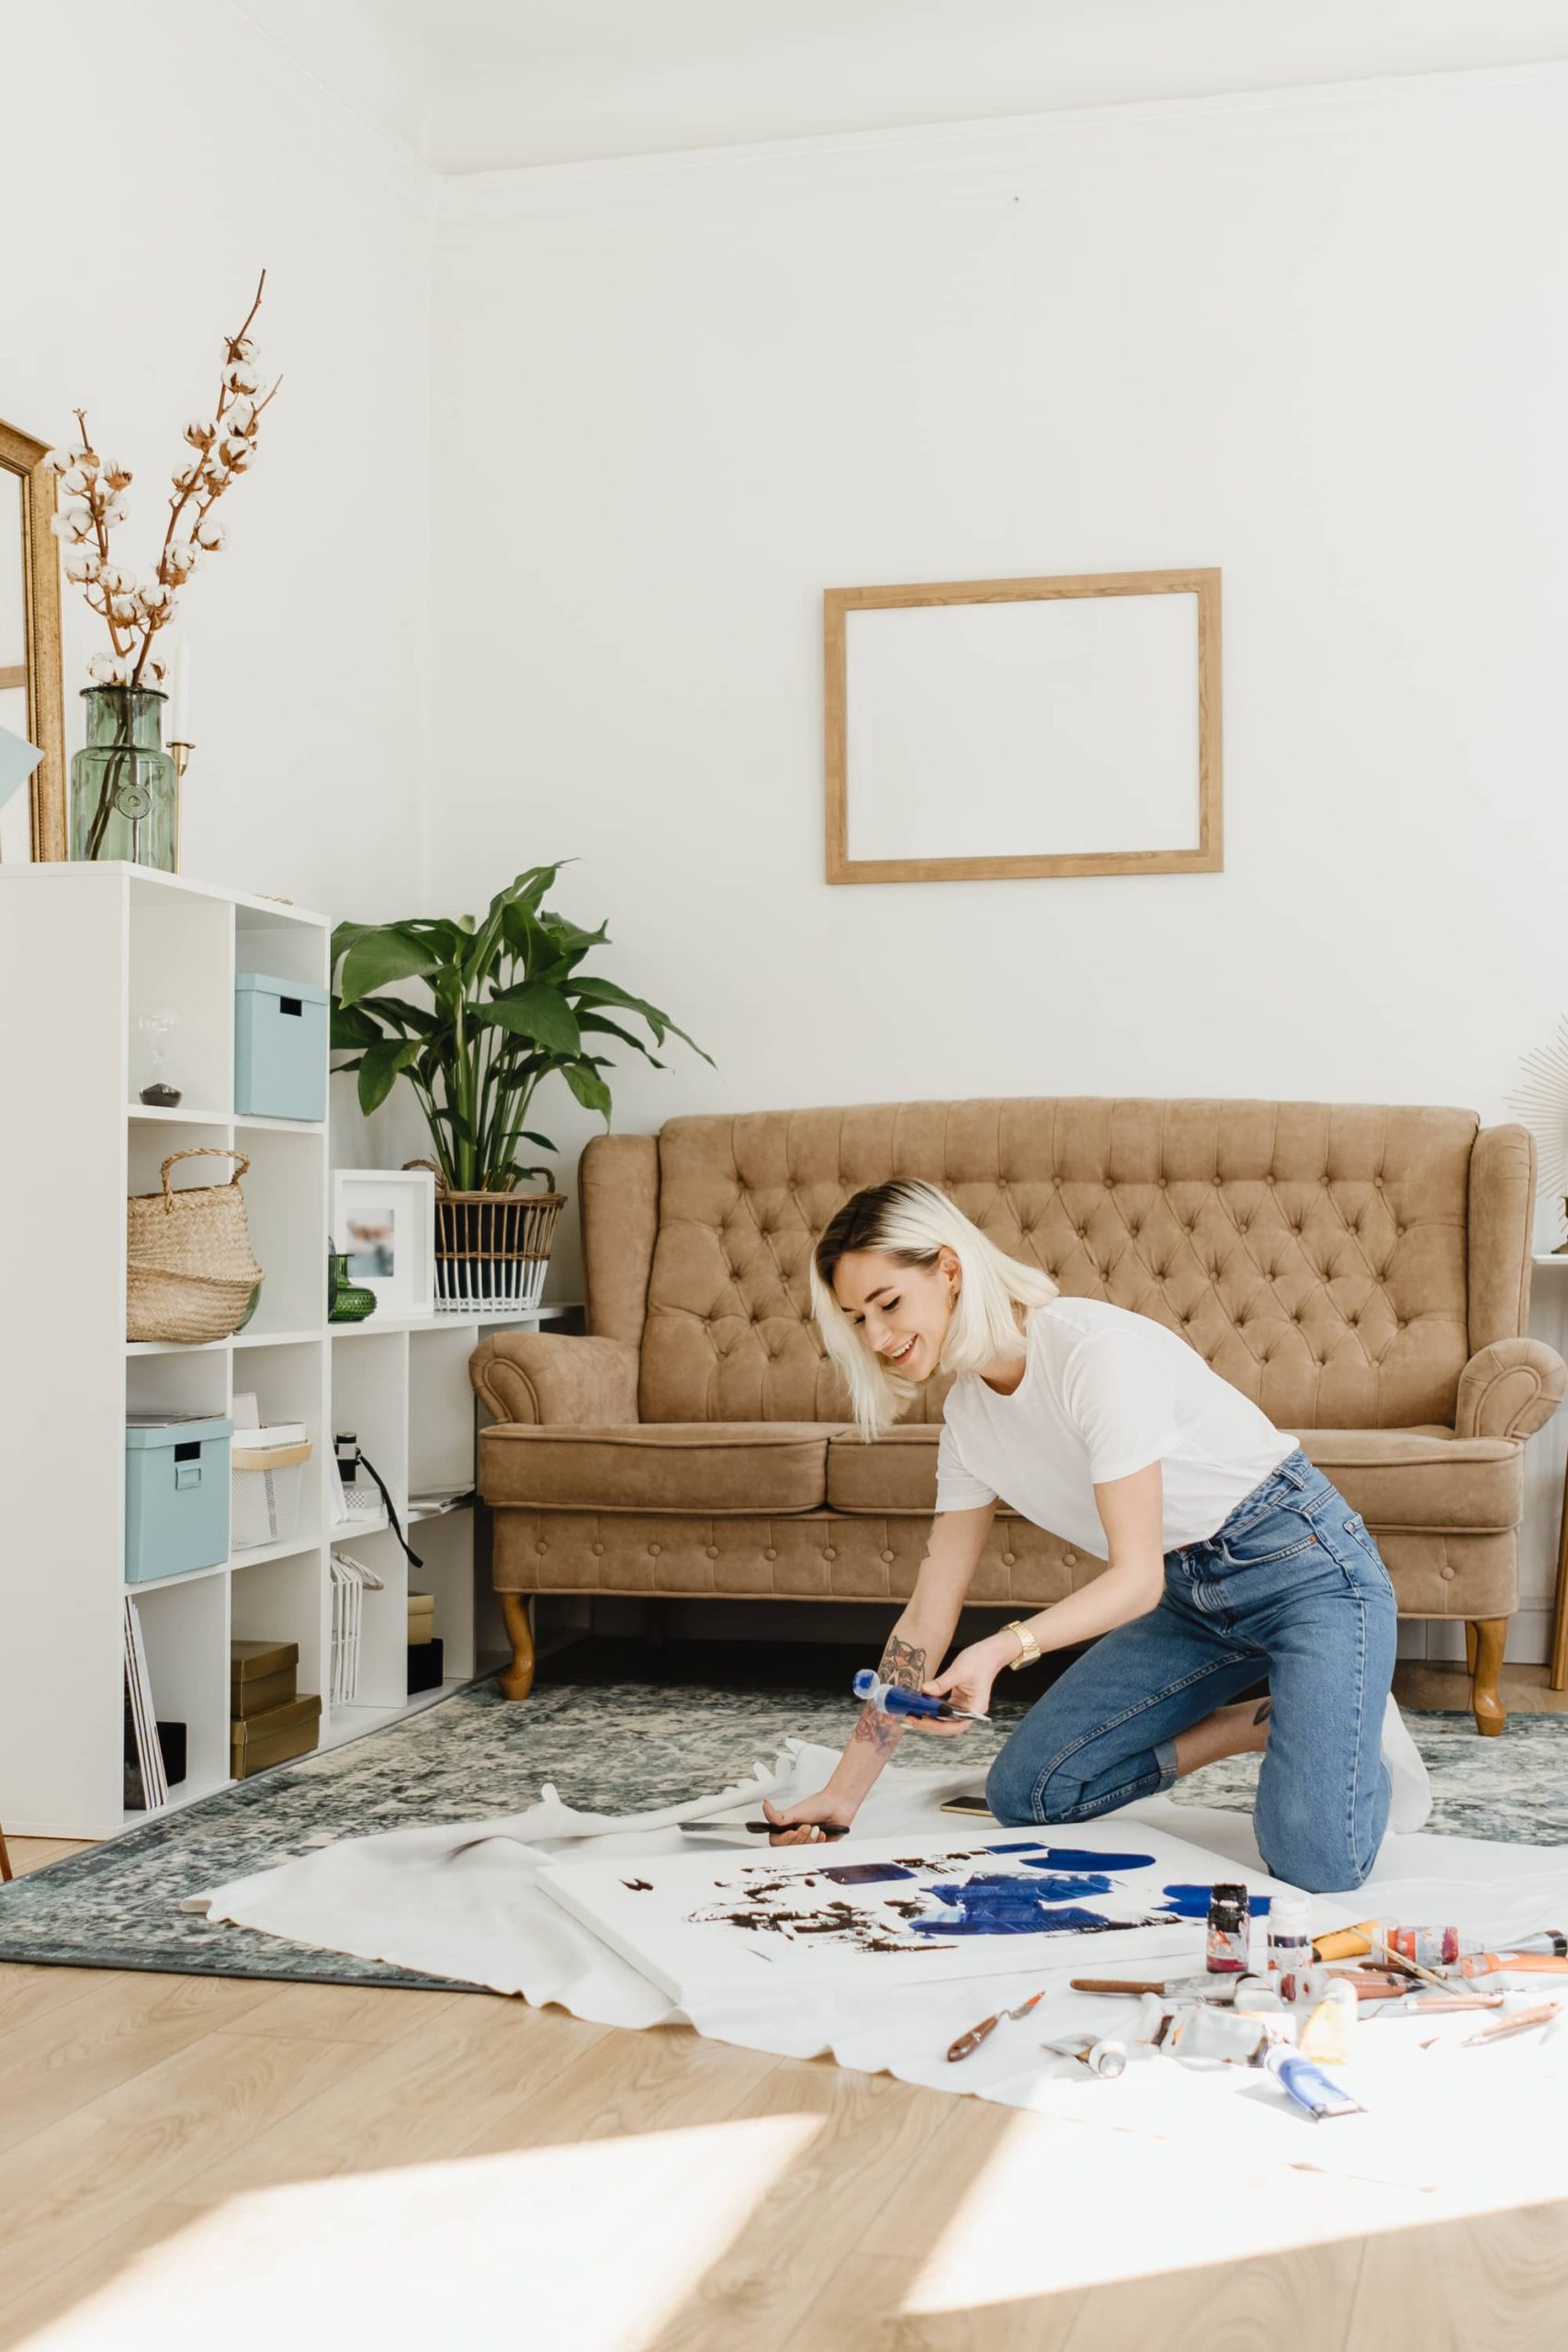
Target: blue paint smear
{"type": "Point", "coordinates": [1065, 1886]}
{"type": "Point", "coordinates": [865, 1873]}
{"type": "Point", "coordinates": [1193, 1903]}
{"type": "Point", "coordinates": [1079, 1858]}
{"type": "Point", "coordinates": [992, 1905]}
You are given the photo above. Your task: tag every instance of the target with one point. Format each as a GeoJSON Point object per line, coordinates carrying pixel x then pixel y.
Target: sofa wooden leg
{"type": "Point", "coordinates": [5, 1861]}
{"type": "Point", "coordinates": [1483, 1646]}
{"type": "Point", "coordinates": [518, 1679]}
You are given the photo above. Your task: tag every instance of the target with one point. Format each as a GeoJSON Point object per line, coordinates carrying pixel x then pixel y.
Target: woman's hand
{"type": "Point", "coordinates": [967, 1681]}
{"type": "Point", "coordinates": [798, 1825]}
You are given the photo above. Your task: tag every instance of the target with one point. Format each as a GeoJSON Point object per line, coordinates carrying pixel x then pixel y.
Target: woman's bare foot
{"type": "Point", "coordinates": [1241, 1730]}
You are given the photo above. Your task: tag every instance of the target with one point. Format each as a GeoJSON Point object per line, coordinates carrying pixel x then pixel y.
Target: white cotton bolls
{"type": "Point", "coordinates": [210, 534]}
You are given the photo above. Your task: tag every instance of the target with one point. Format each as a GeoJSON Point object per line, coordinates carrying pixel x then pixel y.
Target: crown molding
{"type": "Point", "coordinates": [1012, 151]}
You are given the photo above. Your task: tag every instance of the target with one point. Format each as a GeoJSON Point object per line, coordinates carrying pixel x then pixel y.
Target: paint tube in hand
{"type": "Point", "coordinates": [892, 1699]}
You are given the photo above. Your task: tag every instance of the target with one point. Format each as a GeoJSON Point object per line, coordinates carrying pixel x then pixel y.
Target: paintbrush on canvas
{"type": "Point", "coordinates": [903, 1910]}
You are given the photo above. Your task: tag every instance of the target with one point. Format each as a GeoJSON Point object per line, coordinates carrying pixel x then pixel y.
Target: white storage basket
{"type": "Point", "coordinates": [267, 1470]}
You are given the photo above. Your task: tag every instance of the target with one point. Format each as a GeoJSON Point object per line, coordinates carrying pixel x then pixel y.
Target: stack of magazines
{"type": "Point", "coordinates": [146, 1788]}
{"type": "Point", "coordinates": [350, 1580]}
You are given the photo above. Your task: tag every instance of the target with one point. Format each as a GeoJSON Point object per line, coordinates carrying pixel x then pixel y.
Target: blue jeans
{"type": "Point", "coordinates": [1290, 1589]}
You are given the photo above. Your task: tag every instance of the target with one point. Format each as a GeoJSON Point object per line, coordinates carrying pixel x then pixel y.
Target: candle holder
{"type": "Point", "coordinates": [180, 754]}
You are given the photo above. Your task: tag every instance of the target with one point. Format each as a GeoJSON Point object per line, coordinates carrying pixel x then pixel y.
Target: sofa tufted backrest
{"type": "Point", "coordinates": [1332, 1261]}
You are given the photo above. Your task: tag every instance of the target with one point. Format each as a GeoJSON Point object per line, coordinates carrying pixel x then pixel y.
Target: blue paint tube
{"type": "Point", "coordinates": [892, 1699]}
{"type": "Point", "coordinates": [1308, 2085]}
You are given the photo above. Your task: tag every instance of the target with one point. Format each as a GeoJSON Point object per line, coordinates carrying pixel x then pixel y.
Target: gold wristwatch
{"type": "Point", "coordinates": [1029, 1650]}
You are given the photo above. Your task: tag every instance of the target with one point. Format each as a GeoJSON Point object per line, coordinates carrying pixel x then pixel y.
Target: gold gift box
{"type": "Point", "coordinates": [274, 1737]}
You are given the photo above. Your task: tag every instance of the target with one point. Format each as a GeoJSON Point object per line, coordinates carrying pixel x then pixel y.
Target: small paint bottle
{"type": "Point", "coordinates": [1432, 1947]}
{"type": "Point", "coordinates": [1290, 1944]}
{"type": "Point", "coordinates": [1226, 1951]}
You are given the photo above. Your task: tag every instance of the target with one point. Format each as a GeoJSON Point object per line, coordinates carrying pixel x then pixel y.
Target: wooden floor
{"type": "Point", "coordinates": [383, 2161]}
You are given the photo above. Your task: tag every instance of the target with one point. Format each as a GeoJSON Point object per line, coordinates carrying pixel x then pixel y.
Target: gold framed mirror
{"type": "Point", "coordinates": [31, 699]}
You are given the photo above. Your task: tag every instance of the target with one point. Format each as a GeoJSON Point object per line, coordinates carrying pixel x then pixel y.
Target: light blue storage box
{"type": "Point", "coordinates": [280, 1048]}
{"type": "Point", "coordinates": [176, 1498]}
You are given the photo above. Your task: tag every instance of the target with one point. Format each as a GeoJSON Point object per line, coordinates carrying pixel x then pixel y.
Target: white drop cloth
{"type": "Point", "coordinates": [1472, 2127]}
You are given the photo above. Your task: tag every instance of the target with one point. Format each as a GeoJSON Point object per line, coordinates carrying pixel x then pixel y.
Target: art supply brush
{"type": "Point", "coordinates": [1221, 1989]}
{"type": "Point", "coordinates": [892, 1699]}
{"type": "Point", "coordinates": [1513, 1963]}
{"type": "Point", "coordinates": [1423, 2005]}
{"type": "Point", "coordinates": [1526, 2022]}
{"type": "Point", "coordinates": [967, 2043]}
{"type": "Point", "coordinates": [763, 1828]}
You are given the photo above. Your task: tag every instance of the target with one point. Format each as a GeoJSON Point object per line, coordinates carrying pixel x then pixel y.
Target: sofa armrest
{"type": "Point", "coordinates": [1510, 1389]}
{"type": "Point", "coordinates": [553, 1379]}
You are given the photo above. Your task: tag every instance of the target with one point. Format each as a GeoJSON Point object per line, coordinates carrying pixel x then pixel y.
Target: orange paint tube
{"type": "Point", "coordinates": [1513, 1963]}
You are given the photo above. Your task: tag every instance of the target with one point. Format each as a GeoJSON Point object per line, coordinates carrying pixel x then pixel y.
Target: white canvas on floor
{"type": "Point", "coordinates": [901, 1910]}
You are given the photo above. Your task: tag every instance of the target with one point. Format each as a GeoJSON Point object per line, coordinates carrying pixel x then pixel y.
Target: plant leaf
{"type": "Point", "coordinates": [379, 1068]}
{"type": "Point", "coordinates": [589, 1088]}
{"type": "Point", "coordinates": [353, 1026]}
{"type": "Point", "coordinates": [390, 953]}
{"type": "Point", "coordinates": [343, 936]}
{"type": "Point", "coordinates": [595, 1023]}
{"type": "Point", "coordinates": [591, 989]}
{"type": "Point", "coordinates": [533, 1009]}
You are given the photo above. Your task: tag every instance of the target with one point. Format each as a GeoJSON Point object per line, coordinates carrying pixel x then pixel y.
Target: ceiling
{"type": "Point", "coordinates": [476, 85]}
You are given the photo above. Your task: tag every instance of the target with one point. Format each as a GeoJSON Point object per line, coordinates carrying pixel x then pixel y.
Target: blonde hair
{"type": "Point", "coordinates": [912, 1223]}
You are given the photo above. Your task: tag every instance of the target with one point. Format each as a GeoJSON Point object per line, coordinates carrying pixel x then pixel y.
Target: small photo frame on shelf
{"type": "Point", "coordinates": [384, 1219]}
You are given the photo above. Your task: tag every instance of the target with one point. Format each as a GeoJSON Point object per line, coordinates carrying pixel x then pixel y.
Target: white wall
{"type": "Point", "coordinates": [153, 160]}
{"type": "Point", "coordinates": [1317, 338]}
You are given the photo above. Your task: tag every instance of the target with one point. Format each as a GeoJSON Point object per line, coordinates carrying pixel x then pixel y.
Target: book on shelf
{"type": "Point", "coordinates": [146, 1788]}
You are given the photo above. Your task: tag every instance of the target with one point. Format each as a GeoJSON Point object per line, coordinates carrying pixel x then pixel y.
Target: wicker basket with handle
{"type": "Point", "coordinates": [189, 1271]}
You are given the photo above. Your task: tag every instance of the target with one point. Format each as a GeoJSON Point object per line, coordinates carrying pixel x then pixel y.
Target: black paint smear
{"type": "Point", "coordinates": [638, 1885]}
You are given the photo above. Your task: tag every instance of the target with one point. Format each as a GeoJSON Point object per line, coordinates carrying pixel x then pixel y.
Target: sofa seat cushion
{"type": "Point", "coordinates": [896, 1472]}
{"type": "Point", "coordinates": [713, 1466]}
{"type": "Point", "coordinates": [1423, 1477]}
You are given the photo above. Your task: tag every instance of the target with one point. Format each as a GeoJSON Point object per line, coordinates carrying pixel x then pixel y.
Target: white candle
{"type": "Point", "coordinates": [179, 695]}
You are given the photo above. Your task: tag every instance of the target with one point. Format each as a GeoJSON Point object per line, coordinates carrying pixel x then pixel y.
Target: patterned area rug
{"type": "Point", "coordinates": [609, 1746]}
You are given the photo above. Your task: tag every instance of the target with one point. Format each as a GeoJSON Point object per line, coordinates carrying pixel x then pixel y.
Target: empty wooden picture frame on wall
{"type": "Point", "coordinates": [984, 730]}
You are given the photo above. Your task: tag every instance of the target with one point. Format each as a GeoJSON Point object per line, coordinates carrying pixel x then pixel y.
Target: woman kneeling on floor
{"type": "Point", "coordinates": [1231, 1560]}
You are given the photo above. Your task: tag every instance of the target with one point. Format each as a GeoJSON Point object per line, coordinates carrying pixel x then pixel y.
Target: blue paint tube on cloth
{"type": "Point", "coordinates": [1308, 2085]}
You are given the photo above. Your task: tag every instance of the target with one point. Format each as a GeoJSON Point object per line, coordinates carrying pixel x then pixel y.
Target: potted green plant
{"type": "Point", "coordinates": [508, 1006]}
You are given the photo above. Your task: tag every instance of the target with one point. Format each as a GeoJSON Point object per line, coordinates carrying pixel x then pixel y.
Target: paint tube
{"type": "Point", "coordinates": [1327, 2031]}
{"type": "Point", "coordinates": [1445, 1947]}
{"type": "Point", "coordinates": [1308, 2085]}
{"type": "Point", "coordinates": [892, 1699]}
{"type": "Point", "coordinates": [1227, 1948]}
{"type": "Point", "coordinates": [1347, 1943]}
{"type": "Point", "coordinates": [1290, 1943]}
{"type": "Point", "coordinates": [1203, 2032]}
{"type": "Point", "coordinates": [1105, 2058]}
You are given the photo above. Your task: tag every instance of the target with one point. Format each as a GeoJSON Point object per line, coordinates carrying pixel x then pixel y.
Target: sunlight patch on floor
{"type": "Point", "coordinates": [593, 2246]}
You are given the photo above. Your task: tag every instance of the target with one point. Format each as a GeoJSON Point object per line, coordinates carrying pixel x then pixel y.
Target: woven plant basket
{"type": "Point", "coordinates": [492, 1249]}
{"type": "Point", "coordinates": [189, 1269]}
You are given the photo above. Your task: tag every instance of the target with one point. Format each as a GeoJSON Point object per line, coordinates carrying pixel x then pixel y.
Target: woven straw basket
{"type": "Point", "coordinates": [189, 1269]}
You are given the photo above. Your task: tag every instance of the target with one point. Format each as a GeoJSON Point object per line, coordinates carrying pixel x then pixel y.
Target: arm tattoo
{"type": "Point", "coordinates": [905, 1665]}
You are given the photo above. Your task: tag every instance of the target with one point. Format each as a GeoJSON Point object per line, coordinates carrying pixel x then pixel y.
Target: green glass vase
{"type": "Point", "coordinates": [124, 787]}
{"type": "Point", "coordinates": [347, 1301]}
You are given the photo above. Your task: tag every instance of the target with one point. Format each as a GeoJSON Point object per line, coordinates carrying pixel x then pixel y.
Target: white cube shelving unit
{"type": "Point", "coordinates": [85, 951]}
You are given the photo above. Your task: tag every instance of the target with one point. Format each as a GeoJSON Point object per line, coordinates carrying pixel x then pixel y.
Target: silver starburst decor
{"type": "Point", "coordinates": [1541, 1102]}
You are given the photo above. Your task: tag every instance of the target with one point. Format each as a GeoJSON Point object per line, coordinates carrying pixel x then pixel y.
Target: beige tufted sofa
{"type": "Point", "coordinates": [1361, 1271]}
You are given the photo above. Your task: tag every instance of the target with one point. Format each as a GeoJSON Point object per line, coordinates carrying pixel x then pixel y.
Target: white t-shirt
{"type": "Point", "coordinates": [1105, 1393]}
